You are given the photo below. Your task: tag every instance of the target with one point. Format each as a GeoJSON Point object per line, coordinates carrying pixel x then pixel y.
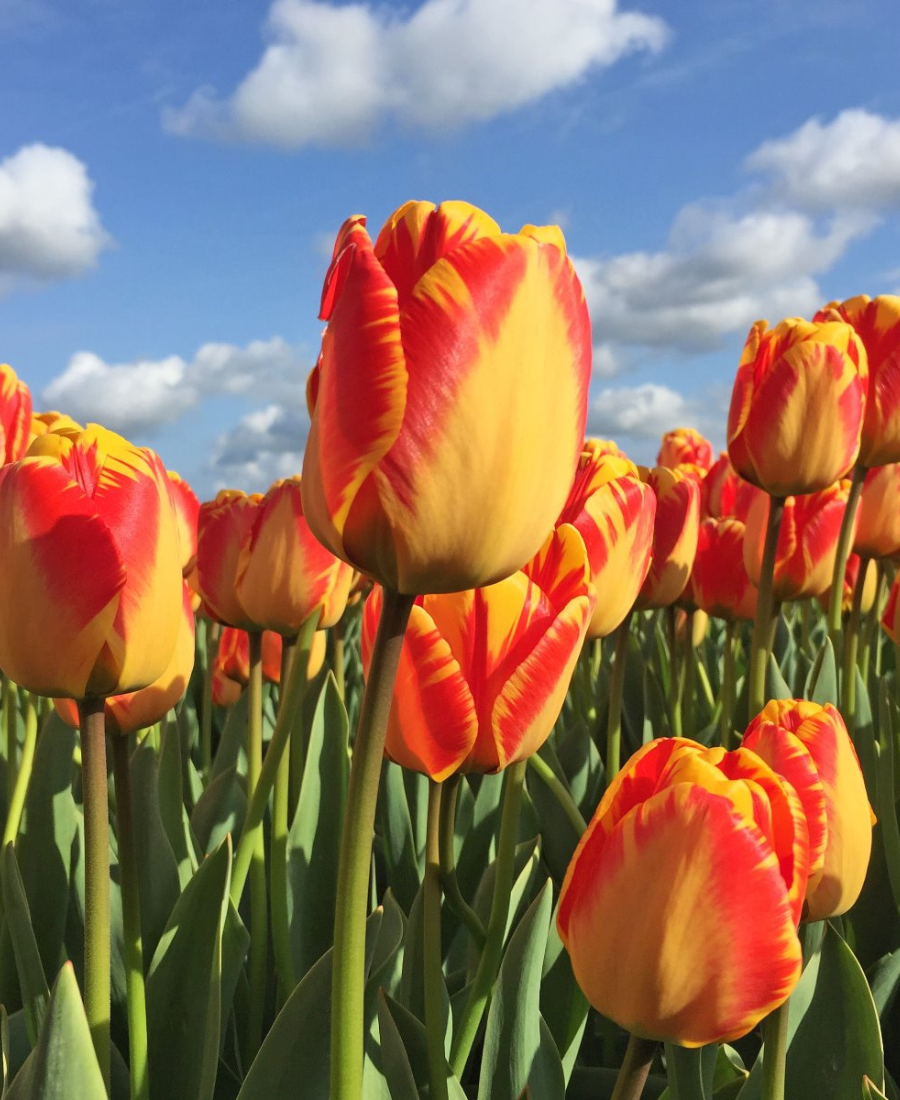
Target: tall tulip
{"type": "Point", "coordinates": [674, 535]}
{"type": "Point", "coordinates": [719, 582]}
{"type": "Point", "coordinates": [222, 526]}
{"type": "Point", "coordinates": [680, 905]}
{"type": "Point", "coordinates": [187, 514]}
{"type": "Point", "coordinates": [15, 415]}
{"type": "Point", "coordinates": [449, 401]}
{"type": "Point", "coordinates": [685, 446]}
{"type": "Point", "coordinates": [725, 493]}
{"type": "Point", "coordinates": [878, 516]}
{"type": "Point", "coordinates": [797, 407]}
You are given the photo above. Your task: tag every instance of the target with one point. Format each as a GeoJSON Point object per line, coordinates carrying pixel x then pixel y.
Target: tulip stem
{"type": "Point", "coordinates": [489, 963]}
{"type": "Point", "coordinates": [23, 776]}
{"type": "Point", "coordinates": [559, 790]}
{"type": "Point", "coordinates": [281, 934]}
{"type": "Point", "coordinates": [765, 610]}
{"type": "Point", "coordinates": [259, 924]}
{"type": "Point", "coordinates": [211, 639]}
{"type": "Point", "coordinates": [131, 920]}
{"type": "Point", "coordinates": [449, 881]}
{"type": "Point", "coordinates": [635, 1068]}
{"type": "Point", "coordinates": [775, 1043]}
{"type": "Point", "coordinates": [726, 715]}
{"type": "Point", "coordinates": [96, 877]}
{"type": "Point", "coordinates": [851, 646]}
{"type": "Point", "coordinates": [11, 721]}
{"type": "Point", "coordinates": [845, 541]}
{"type": "Point", "coordinates": [690, 675]}
{"type": "Point", "coordinates": [337, 639]}
{"type": "Point", "coordinates": [349, 955]}
{"type": "Point", "coordinates": [616, 690]}
{"type": "Point", "coordinates": [433, 975]}
{"type": "Point", "coordinates": [674, 674]}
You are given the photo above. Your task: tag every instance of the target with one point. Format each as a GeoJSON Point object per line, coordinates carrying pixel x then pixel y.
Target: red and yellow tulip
{"type": "Point", "coordinates": [809, 745]}
{"type": "Point", "coordinates": [725, 493]}
{"type": "Point", "coordinates": [44, 422]}
{"type": "Point", "coordinates": [483, 673]}
{"type": "Point", "coordinates": [674, 535]}
{"type": "Point", "coordinates": [613, 511]}
{"type": "Point", "coordinates": [91, 585]}
{"type": "Point", "coordinates": [890, 619]}
{"type": "Point", "coordinates": [719, 582]}
{"type": "Point", "coordinates": [222, 526]}
{"type": "Point", "coordinates": [878, 515]}
{"type": "Point", "coordinates": [797, 406]}
{"type": "Point", "coordinates": [449, 401]}
{"type": "Point", "coordinates": [685, 447]}
{"type": "Point", "coordinates": [15, 415]}
{"type": "Point", "coordinates": [680, 906]}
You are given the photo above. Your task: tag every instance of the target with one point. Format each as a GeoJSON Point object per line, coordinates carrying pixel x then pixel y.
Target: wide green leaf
{"type": "Point", "coordinates": [32, 980]}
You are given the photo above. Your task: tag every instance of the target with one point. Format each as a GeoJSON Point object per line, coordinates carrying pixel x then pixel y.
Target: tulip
{"type": "Point", "coordinates": [91, 580]}
{"type": "Point", "coordinates": [596, 447]}
{"type": "Point", "coordinates": [788, 728]}
{"type": "Point", "coordinates": [877, 324]}
{"type": "Point", "coordinates": [222, 526]}
{"type": "Point", "coordinates": [797, 406]}
{"type": "Point", "coordinates": [878, 516]}
{"type": "Point", "coordinates": [449, 401]}
{"type": "Point", "coordinates": [890, 620]}
{"type": "Point", "coordinates": [187, 515]}
{"type": "Point", "coordinates": [685, 446]}
{"type": "Point", "coordinates": [674, 535]}
{"type": "Point", "coordinates": [137, 710]}
{"type": "Point", "coordinates": [807, 542]}
{"type": "Point", "coordinates": [284, 574]}
{"type": "Point", "coordinates": [15, 415]}
{"type": "Point", "coordinates": [483, 674]}
{"type": "Point", "coordinates": [231, 665]}
{"type": "Point", "coordinates": [719, 582]}
{"type": "Point", "coordinates": [613, 510]}
{"type": "Point", "coordinates": [57, 422]}
{"type": "Point", "coordinates": [680, 905]}
{"type": "Point", "coordinates": [724, 493]}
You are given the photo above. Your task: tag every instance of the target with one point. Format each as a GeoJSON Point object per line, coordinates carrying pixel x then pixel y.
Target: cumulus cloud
{"type": "Point", "coordinates": [333, 72]}
{"type": "Point", "coordinates": [49, 228]}
{"type": "Point", "coordinates": [851, 162]}
{"type": "Point", "coordinates": [265, 445]}
{"type": "Point", "coordinates": [145, 394]}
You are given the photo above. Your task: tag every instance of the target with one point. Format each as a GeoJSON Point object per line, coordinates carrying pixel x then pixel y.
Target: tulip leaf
{"type": "Point", "coordinates": [404, 1052]}
{"type": "Point", "coordinates": [512, 1038]}
{"type": "Point", "coordinates": [884, 979]}
{"type": "Point", "coordinates": [690, 1072]}
{"type": "Point", "coordinates": [394, 1059]}
{"type": "Point", "coordinates": [398, 842]}
{"type": "Point", "coordinates": [219, 810]}
{"type": "Point", "coordinates": [170, 785]}
{"type": "Point", "coordinates": [525, 864]}
{"type": "Point", "coordinates": [821, 684]}
{"type": "Point", "coordinates": [230, 752]}
{"type": "Point", "coordinates": [862, 730]}
{"type": "Point", "coordinates": [32, 980]}
{"type": "Point", "coordinates": [885, 795]}
{"type": "Point", "coordinates": [184, 987]}
{"type": "Point", "coordinates": [833, 1033]}
{"type": "Point", "coordinates": [870, 1091]}
{"type": "Point", "coordinates": [558, 832]}
{"type": "Point", "coordinates": [314, 842]}
{"type": "Point", "coordinates": [63, 1065]}
{"type": "Point", "coordinates": [582, 767]}
{"type": "Point", "coordinates": [563, 1005]}
{"type": "Point", "coordinates": [477, 843]}
{"type": "Point", "coordinates": [776, 685]}
{"type": "Point", "coordinates": [4, 1053]}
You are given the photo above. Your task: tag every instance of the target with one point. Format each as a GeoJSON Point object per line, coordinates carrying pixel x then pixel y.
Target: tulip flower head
{"type": "Point", "coordinates": [685, 446]}
{"type": "Point", "coordinates": [680, 906]}
{"type": "Point", "coordinates": [222, 526]}
{"type": "Point", "coordinates": [809, 745]}
{"type": "Point", "coordinates": [725, 493]}
{"type": "Point", "coordinates": [878, 515]}
{"type": "Point", "coordinates": [483, 673]}
{"type": "Point", "coordinates": [449, 401]}
{"type": "Point", "coordinates": [15, 415]}
{"type": "Point", "coordinates": [890, 619]}
{"type": "Point", "coordinates": [719, 582]}
{"type": "Point", "coordinates": [91, 585]}
{"type": "Point", "coordinates": [674, 535]}
{"type": "Point", "coordinates": [797, 406]}
{"type": "Point", "coordinates": [57, 422]}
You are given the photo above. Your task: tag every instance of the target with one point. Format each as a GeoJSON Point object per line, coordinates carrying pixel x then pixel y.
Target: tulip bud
{"type": "Point", "coordinates": [222, 526]}
{"type": "Point", "coordinates": [674, 535]}
{"type": "Point", "coordinates": [685, 446]}
{"type": "Point", "coordinates": [15, 415]}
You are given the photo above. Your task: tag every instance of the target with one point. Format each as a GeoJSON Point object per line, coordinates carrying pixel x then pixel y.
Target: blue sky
{"type": "Point", "coordinates": [172, 175]}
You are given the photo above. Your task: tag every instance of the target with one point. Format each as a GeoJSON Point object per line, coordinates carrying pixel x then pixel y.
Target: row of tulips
{"type": "Point", "coordinates": [500, 566]}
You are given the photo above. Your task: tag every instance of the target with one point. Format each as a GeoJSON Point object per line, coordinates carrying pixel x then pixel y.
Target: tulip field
{"type": "Point", "coordinates": [475, 760]}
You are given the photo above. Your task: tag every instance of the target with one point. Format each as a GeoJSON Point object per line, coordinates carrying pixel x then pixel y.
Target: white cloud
{"type": "Point", "coordinates": [145, 394]}
{"type": "Point", "coordinates": [332, 73]}
{"type": "Point", "coordinates": [851, 162]}
{"type": "Point", "coordinates": [265, 445]}
{"type": "Point", "coordinates": [49, 228]}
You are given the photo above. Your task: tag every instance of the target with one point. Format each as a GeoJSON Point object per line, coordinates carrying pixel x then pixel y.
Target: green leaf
{"type": "Point", "coordinates": [63, 1065]}
{"type": "Point", "coordinates": [184, 987]}
{"type": "Point", "coordinates": [870, 1091]}
{"type": "Point", "coordinates": [394, 1059]}
{"type": "Point", "coordinates": [397, 838]}
{"type": "Point", "coordinates": [690, 1072]}
{"type": "Point", "coordinates": [219, 810]}
{"type": "Point", "coordinates": [821, 686]}
{"type": "Point", "coordinates": [513, 1035]}
{"type": "Point", "coordinates": [477, 841]}
{"type": "Point", "coordinates": [32, 980]}
{"type": "Point", "coordinates": [404, 1052]}
{"type": "Point", "coordinates": [563, 1005]}
{"type": "Point", "coordinates": [314, 842]}
{"type": "Point", "coordinates": [4, 1053]}
{"type": "Point", "coordinates": [230, 752]}
{"type": "Point", "coordinates": [171, 803]}
{"type": "Point", "coordinates": [776, 685]}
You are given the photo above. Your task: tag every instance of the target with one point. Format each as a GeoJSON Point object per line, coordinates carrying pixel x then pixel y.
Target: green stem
{"type": "Point", "coordinates": [433, 972]}
{"type": "Point", "coordinates": [851, 644]}
{"type": "Point", "coordinates": [805, 623]}
{"type": "Point", "coordinates": [674, 673]}
{"type": "Point", "coordinates": [726, 716]}
{"type": "Point", "coordinates": [281, 934]}
{"type": "Point", "coordinates": [845, 540]}
{"type": "Point", "coordinates": [349, 955]}
{"type": "Point", "coordinates": [337, 639]}
{"type": "Point", "coordinates": [616, 690]}
{"type": "Point", "coordinates": [765, 610]}
{"type": "Point", "coordinates": [211, 635]}
{"type": "Point", "coordinates": [96, 878]}
{"type": "Point", "coordinates": [690, 675]}
{"type": "Point", "coordinates": [131, 919]}
{"type": "Point", "coordinates": [559, 791]}
{"type": "Point", "coordinates": [635, 1068]}
{"type": "Point", "coordinates": [11, 719]}
{"type": "Point", "coordinates": [449, 881]}
{"type": "Point", "coordinates": [259, 918]}
{"type": "Point", "coordinates": [23, 777]}
{"type": "Point", "coordinates": [775, 1028]}
{"type": "Point", "coordinates": [489, 963]}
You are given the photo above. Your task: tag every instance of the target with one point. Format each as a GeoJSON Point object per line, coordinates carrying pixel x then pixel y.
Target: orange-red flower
{"type": "Point", "coordinates": [483, 673]}
{"type": "Point", "coordinates": [187, 514]}
{"type": "Point", "coordinates": [685, 446]}
{"type": "Point", "coordinates": [449, 402]}
{"type": "Point", "coordinates": [222, 526]}
{"type": "Point", "coordinates": [680, 905]}
{"type": "Point", "coordinates": [877, 323]}
{"type": "Point", "coordinates": [91, 586]}
{"type": "Point", "coordinates": [15, 415]}
{"type": "Point", "coordinates": [724, 492]}
{"type": "Point", "coordinates": [613, 511]}
{"type": "Point", "coordinates": [719, 582]}
{"type": "Point", "coordinates": [809, 745]}
{"type": "Point", "coordinates": [674, 535]}
{"type": "Point", "coordinates": [284, 574]}
{"type": "Point", "coordinates": [797, 406]}
{"type": "Point", "coordinates": [890, 619]}
{"type": "Point", "coordinates": [807, 541]}
{"type": "Point", "coordinates": [878, 514]}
